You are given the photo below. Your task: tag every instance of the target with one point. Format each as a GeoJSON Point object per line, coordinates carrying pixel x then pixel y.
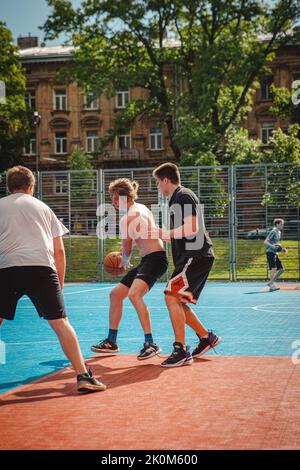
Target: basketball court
{"type": "Point", "coordinates": [243, 395]}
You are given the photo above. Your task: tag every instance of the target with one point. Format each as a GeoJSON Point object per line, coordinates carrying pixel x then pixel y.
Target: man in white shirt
{"type": "Point", "coordinates": [33, 263]}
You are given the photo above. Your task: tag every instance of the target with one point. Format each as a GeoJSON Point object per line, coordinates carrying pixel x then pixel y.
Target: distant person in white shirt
{"type": "Point", "coordinates": [135, 223]}
{"type": "Point", "coordinates": [33, 263]}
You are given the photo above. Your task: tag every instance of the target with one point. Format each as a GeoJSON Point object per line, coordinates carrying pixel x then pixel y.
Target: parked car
{"type": "Point", "coordinates": [258, 233]}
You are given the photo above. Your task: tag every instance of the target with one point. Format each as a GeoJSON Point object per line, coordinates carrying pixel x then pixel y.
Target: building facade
{"type": "Point", "coordinates": [68, 118]}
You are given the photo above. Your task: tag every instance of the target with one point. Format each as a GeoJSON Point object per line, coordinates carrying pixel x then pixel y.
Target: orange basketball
{"type": "Point", "coordinates": [112, 263]}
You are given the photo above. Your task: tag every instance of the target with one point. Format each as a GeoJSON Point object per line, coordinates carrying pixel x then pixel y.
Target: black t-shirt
{"type": "Point", "coordinates": [182, 204]}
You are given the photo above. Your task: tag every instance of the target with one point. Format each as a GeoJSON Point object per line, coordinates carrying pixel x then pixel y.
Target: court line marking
{"type": "Point", "coordinates": [77, 292]}
{"type": "Point", "coordinates": [130, 306]}
{"type": "Point", "coordinates": [192, 340]}
{"type": "Point", "coordinates": [280, 308]}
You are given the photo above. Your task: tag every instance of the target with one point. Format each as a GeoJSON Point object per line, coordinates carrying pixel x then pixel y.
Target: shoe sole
{"type": "Point", "coordinates": [273, 290]}
{"type": "Point", "coordinates": [179, 363]}
{"type": "Point", "coordinates": [104, 352]}
{"type": "Point", "coordinates": [148, 357]}
{"type": "Point", "coordinates": [91, 388]}
{"type": "Point", "coordinates": [208, 348]}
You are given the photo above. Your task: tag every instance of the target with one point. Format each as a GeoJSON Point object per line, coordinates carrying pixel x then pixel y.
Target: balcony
{"type": "Point", "coordinates": [122, 154]}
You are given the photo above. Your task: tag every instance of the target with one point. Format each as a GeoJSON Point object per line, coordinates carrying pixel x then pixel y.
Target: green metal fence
{"type": "Point", "coordinates": [240, 203]}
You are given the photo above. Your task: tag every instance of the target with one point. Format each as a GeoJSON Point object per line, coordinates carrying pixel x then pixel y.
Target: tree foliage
{"type": "Point", "coordinates": [13, 114]}
{"type": "Point", "coordinates": [196, 59]}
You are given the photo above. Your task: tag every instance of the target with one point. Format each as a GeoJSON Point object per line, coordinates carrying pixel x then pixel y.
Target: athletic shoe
{"type": "Point", "coordinates": [87, 383]}
{"type": "Point", "coordinates": [206, 343]}
{"type": "Point", "coordinates": [107, 346]}
{"type": "Point", "coordinates": [273, 288]}
{"type": "Point", "coordinates": [149, 350]}
{"type": "Point", "coordinates": [179, 357]}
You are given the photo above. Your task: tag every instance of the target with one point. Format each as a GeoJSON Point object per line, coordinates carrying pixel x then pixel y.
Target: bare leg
{"type": "Point", "coordinates": [277, 274]}
{"type": "Point", "coordinates": [272, 275]}
{"type": "Point", "coordinates": [136, 293]}
{"type": "Point", "coordinates": [69, 343]}
{"type": "Point", "coordinates": [193, 321]}
{"type": "Point", "coordinates": [177, 315]}
{"type": "Point", "coordinates": [117, 295]}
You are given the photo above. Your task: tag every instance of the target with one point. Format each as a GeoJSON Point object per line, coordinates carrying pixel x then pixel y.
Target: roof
{"type": "Point", "coordinates": [47, 53]}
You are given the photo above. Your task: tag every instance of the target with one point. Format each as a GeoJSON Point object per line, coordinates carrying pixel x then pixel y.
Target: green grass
{"type": "Point", "coordinates": [84, 259]}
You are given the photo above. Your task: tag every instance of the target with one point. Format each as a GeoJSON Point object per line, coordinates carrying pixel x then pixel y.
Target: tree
{"type": "Point", "coordinates": [206, 70]}
{"type": "Point", "coordinates": [13, 114]}
{"type": "Point", "coordinates": [283, 185]}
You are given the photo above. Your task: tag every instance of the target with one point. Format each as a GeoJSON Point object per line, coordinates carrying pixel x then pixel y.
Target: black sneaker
{"type": "Point", "coordinates": [149, 350]}
{"type": "Point", "coordinates": [105, 346]}
{"type": "Point", "coordinates": [88, 383]}
{"type": "Point", "coordinates": [179, 357]}
{"type": "Point", "coordinates": [206, 343]}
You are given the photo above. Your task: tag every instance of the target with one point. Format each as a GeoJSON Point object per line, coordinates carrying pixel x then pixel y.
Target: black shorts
{"type": "Point", "coordinates": [39, 283]}
{"type": "Point", "coordinates": [274, 261]}
{"type": "Point", "coordinates": [150, 269]}
{"type": "Point", "coordinates": [189, 278]}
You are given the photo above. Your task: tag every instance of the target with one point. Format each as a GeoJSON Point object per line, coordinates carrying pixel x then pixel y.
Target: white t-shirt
{"type": "Point", "coordinates": [27, 229]}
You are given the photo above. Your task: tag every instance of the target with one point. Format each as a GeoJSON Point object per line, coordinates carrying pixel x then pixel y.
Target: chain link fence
{"type": "Point", "coordinates": [240, 203]}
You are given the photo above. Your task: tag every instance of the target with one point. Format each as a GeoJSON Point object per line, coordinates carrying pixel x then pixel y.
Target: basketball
{"type": "Point", "coordinates": [112, 263]}
{"type": "Point", "coordinates": [278, 247]}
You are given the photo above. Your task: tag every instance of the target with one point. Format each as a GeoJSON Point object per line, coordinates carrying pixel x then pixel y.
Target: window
{"type": "Point", "coordinates": [60, 100]}
{"type": "Point", "coordinates": [30, 100]}
{"type": "Point", "coordinates": [61, 184]}
{"type": "Point", "coordinates": [60, 142]}
{"type": "Point", "coordinates": [92, 141]}
{"type": "Point", "coordinates": [90, 102]}
{"type": "Point", "coordinates": [267, 129]}
{"type": "Point", "coordinates": [155, 138]}
{"type": "Point", "coordinates": [30, 145]}
{"type": "Point", "coordinates": [124, 139]}
{"type": "Point", "coordinates": [122, 99]}
{"type": "Point", "coordinates": [265, 88]}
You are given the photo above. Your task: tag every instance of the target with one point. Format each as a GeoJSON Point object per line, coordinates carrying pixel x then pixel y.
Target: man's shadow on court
{"type": "Point", "coordinates": [113, 377]}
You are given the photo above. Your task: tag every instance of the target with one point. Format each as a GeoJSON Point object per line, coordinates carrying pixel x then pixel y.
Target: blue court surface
{"type": "Point", "coordinates": [251, 322]}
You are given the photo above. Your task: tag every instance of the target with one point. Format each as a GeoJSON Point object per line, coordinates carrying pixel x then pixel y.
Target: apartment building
{"type": "Point", "coordinates": [68, 118]}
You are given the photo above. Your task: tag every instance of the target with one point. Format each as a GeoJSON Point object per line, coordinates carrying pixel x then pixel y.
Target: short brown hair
{"type": "Point", "coordinates": [278, 221]}
{"type": "Point", "coordinates": [167, 170]}
{"type": "Point", "coordinates": [124, 187]}
{"type": "Point", "coordinates": [19, 177]}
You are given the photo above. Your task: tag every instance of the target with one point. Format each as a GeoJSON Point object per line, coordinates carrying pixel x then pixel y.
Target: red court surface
{"type": "Point", "coordinates": [217, 403]}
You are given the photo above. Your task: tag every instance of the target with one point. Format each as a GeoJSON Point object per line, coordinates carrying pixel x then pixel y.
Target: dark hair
{"type": "Point", "coordinates": [278, 221]}
{"type": "Point", "coordinates": [167, 170]}
{"type": "Point", "coordinates": [19, 177]}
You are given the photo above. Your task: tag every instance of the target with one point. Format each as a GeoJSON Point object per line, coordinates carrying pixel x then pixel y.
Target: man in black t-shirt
{"type": "Point", "coordinates": [193, 258]}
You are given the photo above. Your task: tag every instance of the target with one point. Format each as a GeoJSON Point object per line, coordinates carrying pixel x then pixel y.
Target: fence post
{"type": "Point", "coordinates": [232, 220]}
{"type": "Point", "coordinates": [100, 202]}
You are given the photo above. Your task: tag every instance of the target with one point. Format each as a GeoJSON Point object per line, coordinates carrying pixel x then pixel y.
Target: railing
{"type": "Point", "coordinates": [122, 154]}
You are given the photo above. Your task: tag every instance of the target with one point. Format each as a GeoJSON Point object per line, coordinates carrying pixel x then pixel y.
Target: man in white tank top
{"type": "Point", "coordinates": [134, 226]}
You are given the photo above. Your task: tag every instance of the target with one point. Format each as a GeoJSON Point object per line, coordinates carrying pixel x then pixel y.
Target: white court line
{"type": "Point", "coordinates": [149, 306]}
{"type": "Point", "coordinates": [280, 307]}
{"type": "Point", "coordinates": [232, 339]}
{"type": "Point", "coordinates": [88, 290]}
{"type": "Point", "coordinates": [78, 292]}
